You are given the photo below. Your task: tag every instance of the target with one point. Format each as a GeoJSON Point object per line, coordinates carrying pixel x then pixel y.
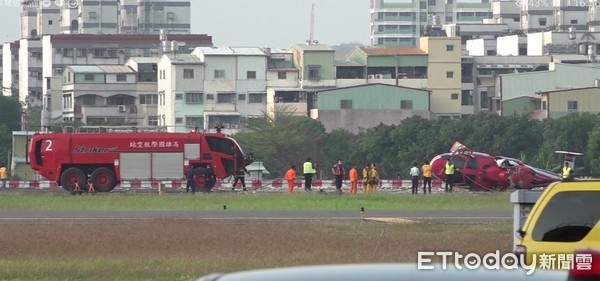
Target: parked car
{"type": "Point", "coordinates": [565, 219]}
{"type": "Point", "coordinates": [384, 272]}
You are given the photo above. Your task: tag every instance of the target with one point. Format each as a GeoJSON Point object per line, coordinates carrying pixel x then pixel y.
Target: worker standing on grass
{"type": "Point", "coordinates": [290, 176]}
{"type": "Point", "coordinates": [414, 176]}
{"type": "Point", "coordinates": [308, 169]}
{"type": "Point", "coordinates": [3, 175]}
{"type": "Point", "coordinates": [209, 179]}
{"type": "Point", "coordinates": [240, 176]}
{"type": "Point", "coordinates": [353, 174]}
{"type": "Point", "coordinates": [449, 171]}
{"type": "Point", "coordinates": [338, 172]}
{"type": "Point", "coordinates": [191, 182]}
{"type": "Point", "coordinates": [426, 172]}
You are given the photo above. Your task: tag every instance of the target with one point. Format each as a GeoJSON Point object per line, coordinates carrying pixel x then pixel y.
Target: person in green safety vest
{"type": "Point", "coordinates": [449, 171]}
{"type": "Point", "coordinates": [566, 172]}
{"type": "Point", "coordinates": [308, 171]}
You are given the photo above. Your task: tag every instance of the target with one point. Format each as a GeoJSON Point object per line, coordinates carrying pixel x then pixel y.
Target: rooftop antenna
{"type": "Point", "coordinates": [311, 40]}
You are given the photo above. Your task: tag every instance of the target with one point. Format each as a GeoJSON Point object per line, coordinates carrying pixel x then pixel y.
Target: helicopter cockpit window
{"type": "Point", "coordinates": [472, 163]}
{"type": "Point", "coordinates": [459, 161]}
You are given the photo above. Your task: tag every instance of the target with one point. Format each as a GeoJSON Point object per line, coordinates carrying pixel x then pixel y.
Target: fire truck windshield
{"type": "Point", "coordinates": [221, 145]}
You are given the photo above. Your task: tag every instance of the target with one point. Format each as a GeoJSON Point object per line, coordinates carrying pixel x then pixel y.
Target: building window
{"type": "Point", "coordinates": [281, 75]}
{"type": "Point", "coordinates": [255, 97]}
{"type": "Point", "coordinates": [573, 21]}
{"type": "Point", "coordinates": [346, 104]}
{"type": "Point", "coordinates": [170, 17]}
{"type": "Point", "coordinates": [454, 96]}
{"type": "Point", "coordinates": [449, 48]}
{"type": "Point", "coordinates": [193, 98]}
{"type": "Point", "coordinates": [67, 52]}
{"type": "Point", "coordinates": [466, 97]}
{"type": "Point", "coordinates": [50, 22]}
{"type": "Point", "coordinates": [572, 106]}
{"type": "Point", "coordinates": [406, 104]}
{"type": "Point", "coordinates": [449, 74]}
{"type": "Point", "coordinates": [194, 121]}
{"type": "Point", "coordinates": [251, 75]}
{"type": "Point", "coordinates": [544, 105]}
{"type": "Point", "coordinates": [210, 96]}
{"type": "Point", "coordinates": [225, 97]}
{"type": "Point", "coordinates": [542, 21]}
{"type": "Point", "coordinates": [484, 102]}
{"type": "Point", "coordinates": [152, 120]}
{"type": "Point", "coordinates": [178, 96]}
{"type": "Point", "coordinates": [188, 74]}
{"type": "Point", "coordinates": [148, 99]}
{"type": "Point", "coordinates": [422, 5]}
{"type": "Point", "coordinates": [121, 77]}
{"type": "Point", "coordinates": [448, 18]}
{"type": "Point", "coordinates": [88, 77]}
{"type": "Point", "coordinates": [219, 73]}
{"type": "Point", "coordinates": [242, 97]}
{"type": "Point", "coordinates": [93, 16]}
{"type": "Point", "coordinates": [431, 2]}
{"type": "Point", "coordinates": [314, 72]}
{"type": "Point", "coordinates": [88, 100]}
{"type": "Point", "coordinates": [178, 120]}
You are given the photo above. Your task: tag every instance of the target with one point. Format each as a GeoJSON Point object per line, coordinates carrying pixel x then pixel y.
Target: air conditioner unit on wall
{"type": "Point", "coordinates": [371, 76]}
{"type": "Point", "coordinates": [378, 76]}
{"type": "Point", "coordinates": [122, 108]}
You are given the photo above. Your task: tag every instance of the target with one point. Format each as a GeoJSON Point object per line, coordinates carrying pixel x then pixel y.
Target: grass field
{"type": "Point", "coordinates": [185, 250]}
{"type": "Point", "coordinates": [180, 249]}
{"type": "Point", "coordinates": [258, 201]}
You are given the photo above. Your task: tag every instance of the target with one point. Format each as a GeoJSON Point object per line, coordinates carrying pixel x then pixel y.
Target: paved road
{"type": "Point", "coordinates": [437, 215]}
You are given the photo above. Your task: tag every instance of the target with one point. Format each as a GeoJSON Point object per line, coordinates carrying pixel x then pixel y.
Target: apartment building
{"type": "Point", "coordinates": [402, 23]}
{"type": "Point", "coordinates": [62, 50]}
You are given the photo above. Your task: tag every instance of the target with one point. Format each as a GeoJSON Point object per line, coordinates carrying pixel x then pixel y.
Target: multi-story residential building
{"type": "Point", "coordinates": [94, 94]}
{"type": "Point", "coordinates": [316, 70]}
{"type": "Point", "coordinates": [284, 95]}
{"type": "Point", "coordinates": [395, 65]}
{"type": "Point", "coordinates": [62, 50]}
{"type": "Point", "coordinates": [401, 23]}
{"type": "Point", "coordinates": [212, 86]}
{"type": "Point", "coordinates": [146, 70]}
{"type": "Point", "coordinates": [39, 18]}
{"type": "Point", "coordinates": [444, 75]}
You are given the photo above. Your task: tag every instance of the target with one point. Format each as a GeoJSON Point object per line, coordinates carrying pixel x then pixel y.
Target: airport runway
{"type": "Point", "coordinates": [453, 216]}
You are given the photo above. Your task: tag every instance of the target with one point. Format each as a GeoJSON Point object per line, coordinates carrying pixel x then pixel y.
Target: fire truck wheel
{"type": "Point", "coordinates": [199, 179]}
{"type": "Point", "coordinates": [69, 176]}
{"type": "Point", "coordinates": [103, 179]}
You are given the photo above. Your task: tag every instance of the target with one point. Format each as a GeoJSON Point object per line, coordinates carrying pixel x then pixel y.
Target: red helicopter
{"type": "Point", "coordinates": [483, 171]}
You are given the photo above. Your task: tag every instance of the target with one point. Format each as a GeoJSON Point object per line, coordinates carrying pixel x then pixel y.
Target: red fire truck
{"type": "Point", "coordinates": [110, 158]}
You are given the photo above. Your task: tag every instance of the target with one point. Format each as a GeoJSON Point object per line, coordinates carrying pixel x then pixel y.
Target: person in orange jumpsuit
{"type": "Point", "coordinates": [353, 174]}
{"type": "Point", "coordinates": [290, 176]}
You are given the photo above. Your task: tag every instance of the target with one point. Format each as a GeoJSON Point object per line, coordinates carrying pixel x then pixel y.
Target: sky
{"type": "Point", "coordinates": [257, 23]}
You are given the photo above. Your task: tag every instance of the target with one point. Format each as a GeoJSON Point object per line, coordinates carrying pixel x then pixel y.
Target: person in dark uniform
{"type": "Point", "coordinates": [240, 176]}
{"type": "Point", "coordinates": [209, 179]}
{"type": "Point", "coordinates": [191, 181]}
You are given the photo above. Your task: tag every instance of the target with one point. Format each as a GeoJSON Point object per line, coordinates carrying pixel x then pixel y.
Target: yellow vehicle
{"type": "Point", "coordinates": [564, 220]}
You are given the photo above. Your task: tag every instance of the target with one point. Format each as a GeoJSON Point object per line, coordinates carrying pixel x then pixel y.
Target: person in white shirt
{"type": "Point", "coordinates": [414, 175]}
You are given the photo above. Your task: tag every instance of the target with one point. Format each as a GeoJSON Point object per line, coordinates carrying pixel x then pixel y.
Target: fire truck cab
{"type": "Point", "coordinates": [107, 159]}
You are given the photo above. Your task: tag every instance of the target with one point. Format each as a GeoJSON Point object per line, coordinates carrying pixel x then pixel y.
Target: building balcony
{"type": "Point", "coordinates": [130, 111]}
